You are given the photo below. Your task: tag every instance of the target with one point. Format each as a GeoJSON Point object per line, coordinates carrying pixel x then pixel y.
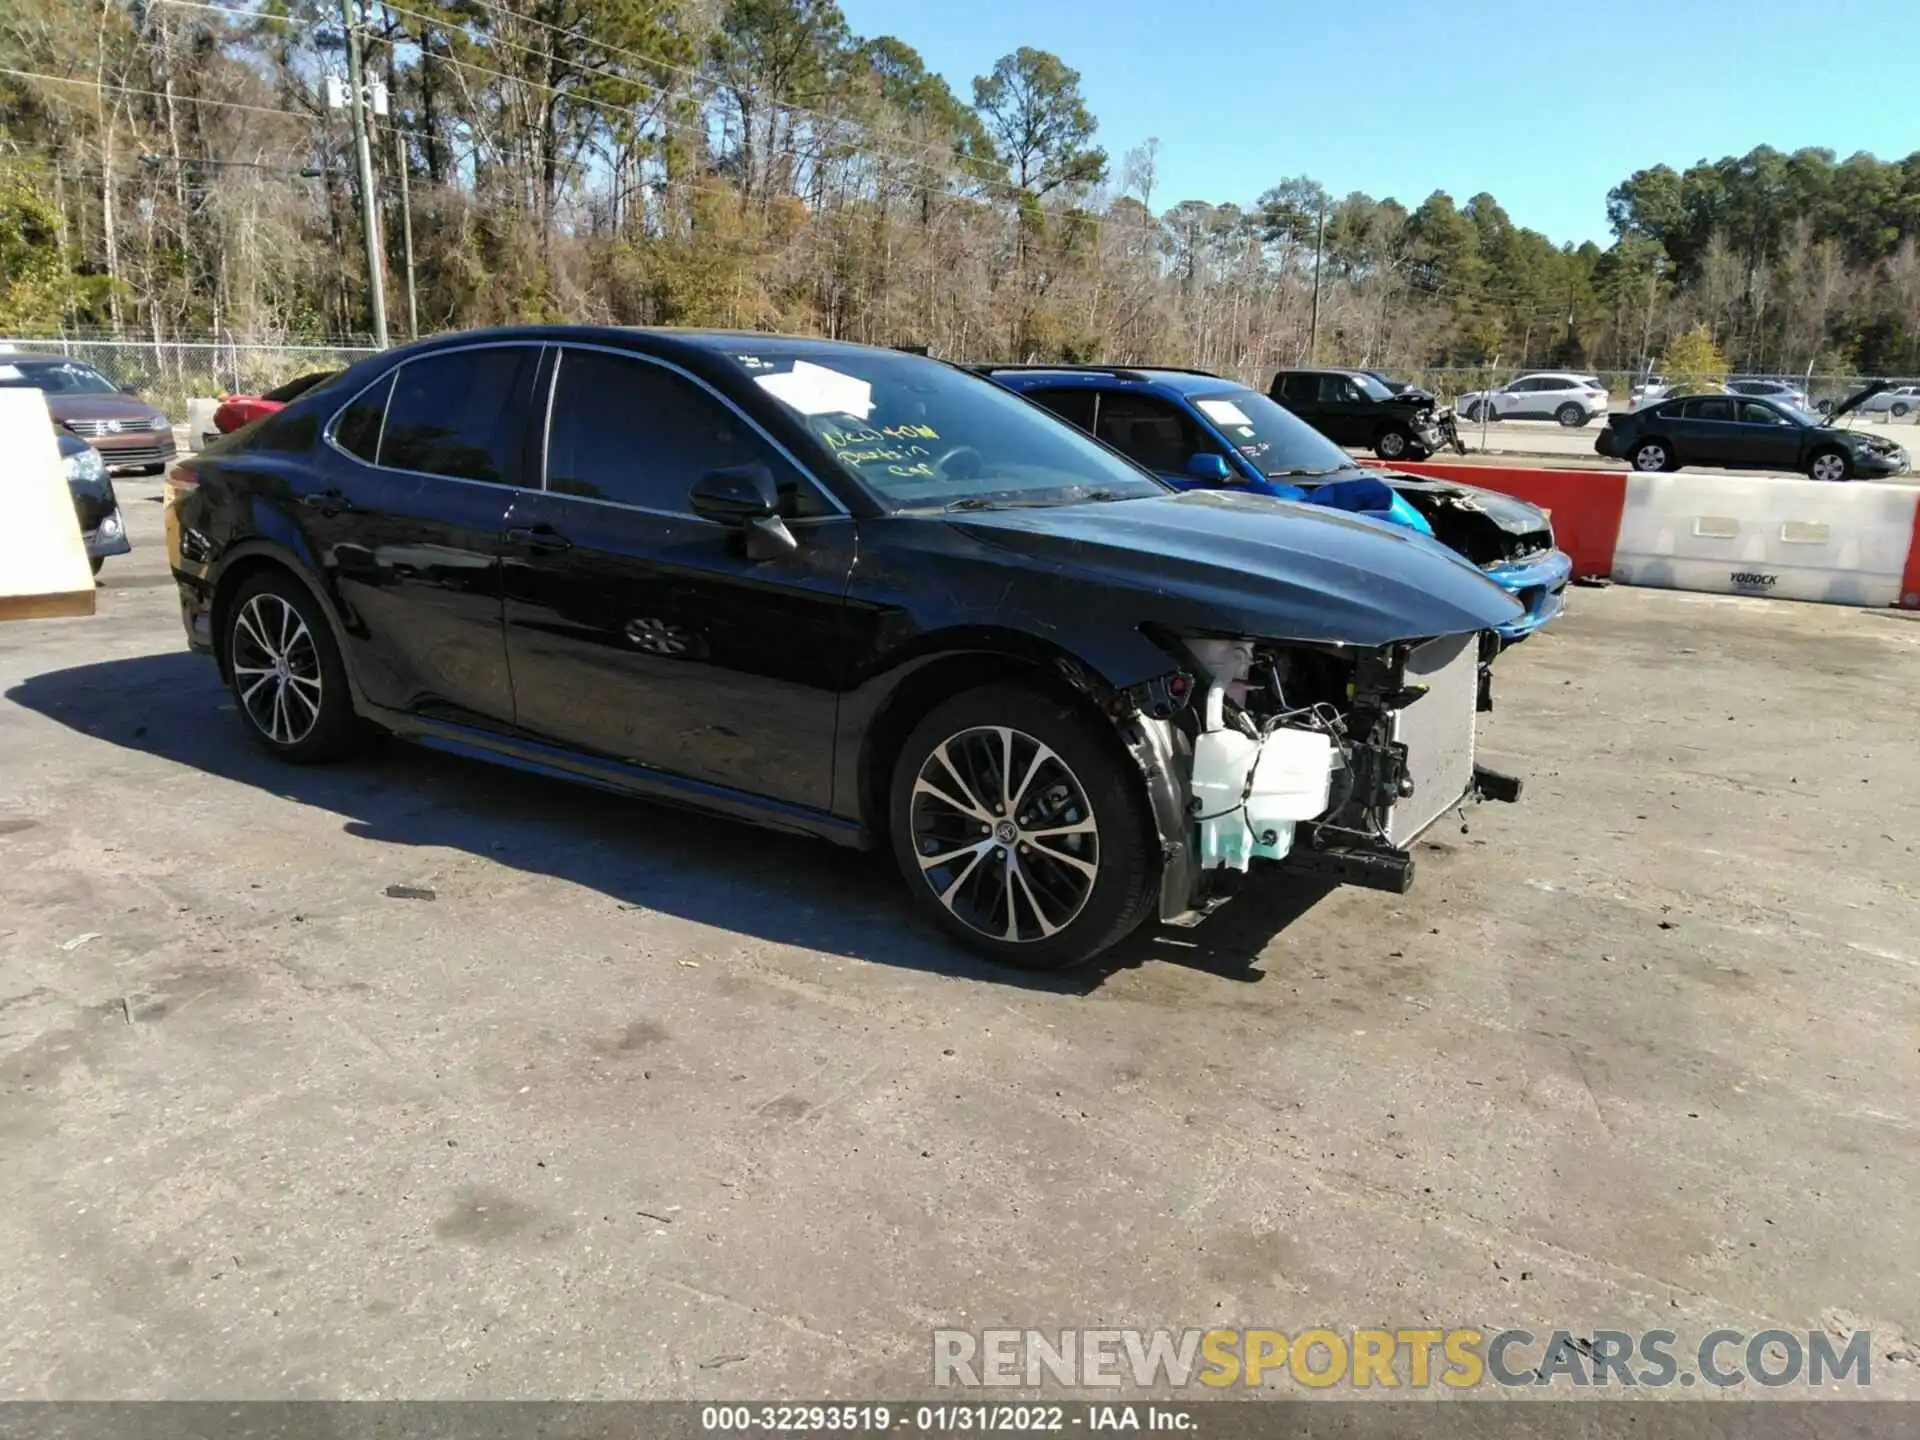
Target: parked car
{"type": "Point", "coordinates": [1197, 430]}
{"type": "Point", "coordinates": [238, 410]}
{"type": "Point", "coordinates": [1899, 401]}
{"type": "Point", "coordinates": [1646, 390]}
{"type": "Point", "coordinates": [1784, 392]}
{"type": "Point", "coordinates": [94, 503]}
{"type": "Point", "coordinates": [1572, 399]}
{"type": "Point", "coordinates": [845, 592]}
{"type": "Point", "coordinates": [130, 434]}
{"type": "Point", "coordinates": [1361, 408]}
{"type": "Point", "coordinates": [1745, 433]}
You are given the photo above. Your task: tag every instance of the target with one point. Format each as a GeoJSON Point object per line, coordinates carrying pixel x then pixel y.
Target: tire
{"type": "Point", "coordinates": [1831, 464]}
{"type": "Point", "coordinates": [1650, 456]}
{"type": "Point", "coordinates": [1571, 416]}
{"type": "Point", "coordinates": [1393, 443]}
{"type": "Point", "coordinates": [1479, 411]}
{"type": "Point", "coordinates": [1900, 409]}
{"type": "Point", "coordinates": [299, 710]}
{"type": "Point", "coordinates": [952, 773]}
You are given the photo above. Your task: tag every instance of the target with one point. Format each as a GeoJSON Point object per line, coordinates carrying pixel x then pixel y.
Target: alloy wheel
{"type": "Point", "coordinates": [1650, 457]}
{"type": "Point", "coordinates": [1004, 833]}
{"type": "Point", "coordinates": [1392, 445]}
{"type": "Point", "coordinates": [276, 669]}
{"type": "Point", "coordinates": [1829, 467]}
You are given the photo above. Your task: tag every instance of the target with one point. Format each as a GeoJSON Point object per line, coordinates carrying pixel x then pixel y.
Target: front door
{"type": "Point", "coordinates": [1761, 438]}
{"type": "Point", "coordinates": [640, 632]}
{"type": "Point", "coordinates": [402, 517]}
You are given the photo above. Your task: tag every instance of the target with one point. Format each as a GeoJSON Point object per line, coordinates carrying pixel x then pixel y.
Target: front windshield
{"type": "Point", "coordinates": [56, 377]}
{"type": "Point", "coordinates": [923, 435]}
{"type": "Point", "coordinates": [1277, 441]}
{"type": "Point", "coordinates": [1371, 386]}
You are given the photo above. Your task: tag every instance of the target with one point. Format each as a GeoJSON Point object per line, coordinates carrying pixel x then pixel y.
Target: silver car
{"type": "Point", "coordinates": [1568, 396]}
{"type": "Point", "coordinates": [1783, 391]}
{"type": "Point", "coordinates": [1899, 402]}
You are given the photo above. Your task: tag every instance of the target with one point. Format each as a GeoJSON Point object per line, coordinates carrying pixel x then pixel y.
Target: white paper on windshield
{"type": "Point", "coordinates": [818, 390]}
{"type": "Point", "coordinates": [1224, 412]}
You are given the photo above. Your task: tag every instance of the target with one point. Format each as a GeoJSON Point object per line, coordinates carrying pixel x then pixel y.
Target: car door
{"type": "Point", "coordinates": [1513, 402]}
{"type": "Point", "coordinates": [403, 512]}
{"type": "Point", "coordinates": [642, 633]}
{"type": "Point", "coordinates": [1341, 412]}
{"type": "Point", "coordinates": [1153, 432]}
{"type": "Point", "coordinates": [1762, 438]}
{"type": "Point", "coordinates": [1706, 434]}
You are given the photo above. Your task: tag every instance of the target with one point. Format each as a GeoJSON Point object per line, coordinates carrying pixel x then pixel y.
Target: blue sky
{"type": "Point", "coordinates": [1401, 98]}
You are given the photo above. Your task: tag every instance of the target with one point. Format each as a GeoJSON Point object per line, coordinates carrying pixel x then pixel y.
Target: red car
{"type": "Point", "coordinates": [238, 410]}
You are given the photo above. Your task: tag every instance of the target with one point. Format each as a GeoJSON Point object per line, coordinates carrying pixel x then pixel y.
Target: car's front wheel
{"type": "Point", "coordinates": [1653, 455]}
{"type": "Point", "coordinates": [1900, 409]}
{"type": "Point", "coordinates": [1571, 416]}
{"type": "Point", "coordinates": [1022, 829]}
{"type": "Point", "coordinates": [285, 670]}
{"type": "Point", "coordinates": [1830, 465]}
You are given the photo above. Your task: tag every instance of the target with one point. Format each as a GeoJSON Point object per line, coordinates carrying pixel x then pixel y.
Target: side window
{"type": "Point", "coordinates": [357, 431]}
{"type": "Point", "coordinates": [1336, 390]}
{"type": "Point", "coordinates": [1299, 389]}
{"type": "Point", "coordinates": [459, 414]}
{"type": "Point", "coordinates": [1754, 414]}
{"type": "Point", "coordinates": [1073, 406]}
{"type": "Point", "coordinates": [636, 433]}
{"type": "Point", "coordinates": [1710, 408]}
{"type": "Point", "coordinates": [1150, 431]}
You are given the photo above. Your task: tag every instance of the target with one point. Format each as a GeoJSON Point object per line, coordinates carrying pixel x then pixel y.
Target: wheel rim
{"type": "Point", "coordinates": [1651, 457]}
{"type": "Point", "coordinates": [1393, 444]}
{"type": "Point", "coordinates": [1569, 416]}
{"type": "Point", "coordinates": [1829, 467]}
{"type": "Point", "coordinates": [276, 669]}
{"type": "Point", "coordinates": [1005, 835]}
{"type": "Point", "coordinates": [1899, 410]}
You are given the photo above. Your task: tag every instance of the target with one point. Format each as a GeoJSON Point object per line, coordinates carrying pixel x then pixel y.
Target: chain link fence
{"type": "Point", "coordinates": [1822, 391]}
{"type": "Point", "coordinates": [170, 373]}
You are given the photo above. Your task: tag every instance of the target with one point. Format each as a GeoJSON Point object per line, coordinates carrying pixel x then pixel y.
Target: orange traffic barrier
{"type": "Point", "coordinates": [1910, 582]}
{"type": "Point", "coordinates": [1584, 505]}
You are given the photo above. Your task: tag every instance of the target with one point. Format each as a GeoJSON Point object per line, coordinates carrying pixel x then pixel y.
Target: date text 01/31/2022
{"type": "Point", "coordinates": [943, 1419]}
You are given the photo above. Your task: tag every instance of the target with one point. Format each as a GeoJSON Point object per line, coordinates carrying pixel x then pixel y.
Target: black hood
{"type": "Point", "coordinates": [1413, 398]}
{"type": "Point", "coordinates": [1871, 389]}
{"type": "Point", "coordinates": [1250, 565]}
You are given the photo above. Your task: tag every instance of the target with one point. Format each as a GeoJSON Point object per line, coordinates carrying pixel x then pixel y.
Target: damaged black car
{"type": "Point", "coordinates": [849, 593]}
{"type": "Point", "coordinates": [1359, 408]}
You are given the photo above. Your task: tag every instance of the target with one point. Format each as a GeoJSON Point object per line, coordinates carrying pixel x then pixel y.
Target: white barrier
{"type": "Point", "coordinates": [200, 427]}
{"type": "Point", "coordinates": [43, 559]}
{"type": "Point", "coordinates": [1845, 544]}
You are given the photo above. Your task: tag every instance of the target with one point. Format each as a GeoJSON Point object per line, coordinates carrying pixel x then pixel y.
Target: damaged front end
{"type": "Point", "coordinates": [1323, 759]}
{"type": "Point", "coordinates": [1510, 540]}
{"type": "Point", "coordinates": [1433, 425]}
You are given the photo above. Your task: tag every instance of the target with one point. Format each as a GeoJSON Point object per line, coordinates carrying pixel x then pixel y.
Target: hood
{"type": "Point", "coordinates": [1872, 388]}
{"type": "Point", "coordinates": [64, 408]}
{"type": "Point", "coordinates": [1251, 565]}
{"type": "Point", "coordinates": [1516, 517]}
{"type": "Point", "coordinates": [1412, 398]}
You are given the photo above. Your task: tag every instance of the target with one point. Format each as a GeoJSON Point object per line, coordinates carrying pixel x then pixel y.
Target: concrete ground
{"type": "Point", "coordinates": [643, 1105]}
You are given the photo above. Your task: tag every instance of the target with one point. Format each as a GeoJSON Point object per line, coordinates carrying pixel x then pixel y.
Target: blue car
{"type": "Point", "coordinates": [1194, 429]}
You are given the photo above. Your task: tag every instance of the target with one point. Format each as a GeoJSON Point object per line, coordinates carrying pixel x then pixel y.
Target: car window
{"type": "Point", "coordinates": [1337, 390]}
{"type": "Point", "coordinates": [357, 431]}
{"type": "Point", "coordinates": [1152, 432]}
{"type": "Point", "coordinates": [1299, 389]}
{"type": "Point", "coordinates": [1275, 441]}
{"type": "Point", "coordinates": [1754, 413]}
{"type": "Point", "coordinates": [458, 414]}
{"type": "Point", "coordinates": [1073, 406]}
{"type": "Point", "coordinates": [57, 377]}
{"type": "Point", "coordinates": [633, 432]}
{"type": "Point", "coordinates": [1709, 408]}
{"type": "Point", "coordinates": [1523, 387]}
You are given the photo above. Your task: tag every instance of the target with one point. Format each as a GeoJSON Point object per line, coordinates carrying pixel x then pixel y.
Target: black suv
{"type": "Point", "coordinates": [1358, 408]}
{"type": "Point", "coordinates": [845, 592]}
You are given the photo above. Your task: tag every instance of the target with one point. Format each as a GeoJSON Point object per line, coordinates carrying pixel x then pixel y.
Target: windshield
{"type": "Point", "coordinates": [1795, 411]}
{"type": "Point", "coordinates": [1371, 387]}
{"type": "Point", "coordinates": [1275, 440]}
{"type": "Point", "coordinates": [56, 377]}
{"type": "Point", "coordinates": [923, 435]}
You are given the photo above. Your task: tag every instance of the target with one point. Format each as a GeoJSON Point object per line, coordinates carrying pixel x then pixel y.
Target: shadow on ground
{"type": "Point", "coordinates": [715, 872]}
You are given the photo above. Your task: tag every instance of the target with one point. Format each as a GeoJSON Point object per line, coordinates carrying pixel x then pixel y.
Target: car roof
{"type": "Point", "coordinates": [1125, 377]}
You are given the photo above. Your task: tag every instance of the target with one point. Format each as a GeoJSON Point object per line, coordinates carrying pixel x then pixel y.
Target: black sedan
{"type": "Point", "coordinates": [1743, 432]}
{"type": "Point", "coordinates": [94, 503]}
{"type": "Point", "coordinates": [844, 592]}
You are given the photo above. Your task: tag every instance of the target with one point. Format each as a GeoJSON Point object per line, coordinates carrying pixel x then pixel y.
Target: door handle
{"type": "Point", "coordinates": [540, 539]}
{"type": "Point", "coordinates": [327, 502]}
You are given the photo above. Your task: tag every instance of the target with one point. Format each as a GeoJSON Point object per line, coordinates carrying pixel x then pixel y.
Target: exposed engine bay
{"type": "Point", "coordinates": [1320, 758]}
{"type": "Point", "coordinates": [1486, 527]}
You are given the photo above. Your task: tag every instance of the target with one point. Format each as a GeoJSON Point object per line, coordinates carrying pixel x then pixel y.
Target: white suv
{"type": "Point", "coordinates": [1570, 398]}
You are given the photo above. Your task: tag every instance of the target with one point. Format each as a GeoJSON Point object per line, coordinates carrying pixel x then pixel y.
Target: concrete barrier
{"type": "Point", "coordinates": [200, 427]}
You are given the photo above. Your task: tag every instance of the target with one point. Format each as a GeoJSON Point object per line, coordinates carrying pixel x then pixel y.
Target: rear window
{"type": "Point", "coordinates": [458, 414]}
{"type": "Point", "coordinates": [357, 431]}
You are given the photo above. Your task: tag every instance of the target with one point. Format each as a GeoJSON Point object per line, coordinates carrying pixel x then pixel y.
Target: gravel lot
{"type": "Point", "coordinates": [645, 1105]}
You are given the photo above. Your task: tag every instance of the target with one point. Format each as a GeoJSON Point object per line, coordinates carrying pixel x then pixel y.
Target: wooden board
{"type": "Point", "coordinates": [43, 559]}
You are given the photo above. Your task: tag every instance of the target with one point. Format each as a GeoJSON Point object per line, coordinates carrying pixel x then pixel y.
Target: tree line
{"type": "Point", "coordinates": [170, 169]}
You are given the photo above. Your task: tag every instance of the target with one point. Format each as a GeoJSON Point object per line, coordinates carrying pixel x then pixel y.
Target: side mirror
{"type": "Point", "coordinates": [746, 498]}
{"type": "Point", "coordinates": [1209, 467]}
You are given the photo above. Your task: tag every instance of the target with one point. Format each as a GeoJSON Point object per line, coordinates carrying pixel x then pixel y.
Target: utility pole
{"type": "Point", "coordinates": [1313, 319]}
{"type": "Point", "coordinates": [406, 229]}
{"type": "Point", "coordinates": [369, 214]}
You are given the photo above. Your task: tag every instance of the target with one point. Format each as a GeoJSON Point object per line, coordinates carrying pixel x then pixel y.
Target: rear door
{"type": "Point", "coordinates": [1706, 434]}
{"type": "Point", "coordinates": [642, 633]}
{"type": "Point", "coordinates": [402, 515]}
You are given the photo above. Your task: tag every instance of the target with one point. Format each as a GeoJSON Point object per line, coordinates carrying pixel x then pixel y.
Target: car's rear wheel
{"type": "Point", "coordinates": [1392, 443]}
{"type": "Point", "coordinates": [1830, 465]}
{"type": "Point", "coordinates": [1653, 455]}
{"type": "Point", "coordinates": [1022, 829]}
{"type": "Point", "coordinates": [285, 670]}
{"type": "Point", "coordinates": [1571, 416]}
